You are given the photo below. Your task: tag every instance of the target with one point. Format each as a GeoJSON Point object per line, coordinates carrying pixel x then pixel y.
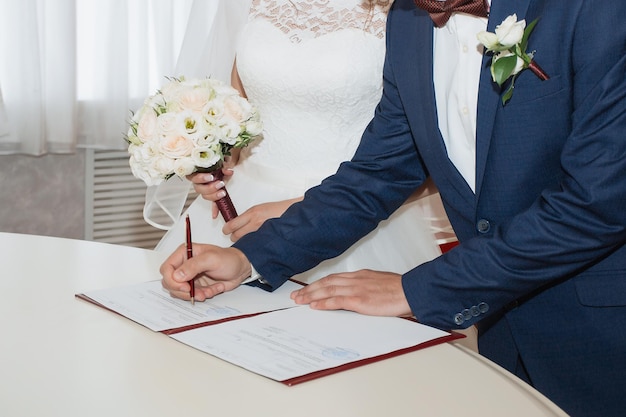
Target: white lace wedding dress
{"type": "Point", "coordinates": [313, 68]}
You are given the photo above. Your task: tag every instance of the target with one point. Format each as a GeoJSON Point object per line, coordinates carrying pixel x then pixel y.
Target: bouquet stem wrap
{"type": "Point", "coordinates": [224, 204]}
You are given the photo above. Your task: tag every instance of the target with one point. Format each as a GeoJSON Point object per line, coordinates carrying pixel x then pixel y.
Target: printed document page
{"type": "Point", "coordinates": [286, 344]}
{"type": "Point", "coordinates": [151, 306]}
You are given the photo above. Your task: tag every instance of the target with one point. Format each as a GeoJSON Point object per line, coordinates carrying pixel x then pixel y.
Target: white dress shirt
{"type": "Point", "coordinates": [457, 61]}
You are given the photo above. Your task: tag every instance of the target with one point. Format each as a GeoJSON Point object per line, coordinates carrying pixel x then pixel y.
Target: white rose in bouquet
{"type": "Point", "coordinates": [510, 31]}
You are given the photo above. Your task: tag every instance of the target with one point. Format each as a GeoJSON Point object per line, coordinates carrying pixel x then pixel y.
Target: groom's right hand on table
{"type": "Point", "coordinates": [215, 269]}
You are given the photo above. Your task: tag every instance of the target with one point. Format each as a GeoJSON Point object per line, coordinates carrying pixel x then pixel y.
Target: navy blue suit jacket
{"type": "Point", "coordinates": [542, 262]}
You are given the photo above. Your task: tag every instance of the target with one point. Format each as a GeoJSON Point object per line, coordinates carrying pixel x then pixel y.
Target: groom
{"type": "Point", "coordinates": [535, 190]}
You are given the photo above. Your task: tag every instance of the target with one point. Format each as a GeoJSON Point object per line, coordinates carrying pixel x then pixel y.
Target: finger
{"type": "Point", "coordinates": [179, 291]}
{"type": "Point", "coordinates": [201, 178]}
{"type": "Point", "coordinates": [235, 224]}
{"type": "Point", "coordinates": [167, 269]}
{"type": "Point", "coordinates": [344, 284]}
{"type": "Point", "coordinates": [336, 303]}
{"type": "Point", "coordinates": [210, 291]}
{"type": "Point", "coordinates": [326, 287]}
{"type": "Point", "coordinates": [212, 191]}
{"type": "Point", "coordinates": [357, 300]}
{"type": "Point", "coordinates": [174, 261]}
{"type": "Point", "coordinates": [242, 231]}
{"type": "Point", "coordinates": [213, 288]}
{"type": "Point", "coordinates": [333, 294]}
{"type": "Point", "coordinates": [192, 267]}
{"type": "Point", "coordinates": [232, 159]}
{"type": "Point", "coordinates": [175, 286]}
{"type": "Point", "coordinates": [228, 162]}
{"type": "Point", "coordinates": [211, 195]}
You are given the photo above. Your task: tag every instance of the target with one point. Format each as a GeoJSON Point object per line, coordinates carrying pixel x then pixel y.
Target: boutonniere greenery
{"type": "Point", "coordinates": [508, 45]}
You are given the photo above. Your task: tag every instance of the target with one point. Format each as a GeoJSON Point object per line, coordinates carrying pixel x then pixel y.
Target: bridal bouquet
{"type": "Point", "coordinates": [190, 126]}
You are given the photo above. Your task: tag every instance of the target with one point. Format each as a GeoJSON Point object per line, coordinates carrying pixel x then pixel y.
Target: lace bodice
{"type": "Point", "coordinates": [307, 19]}
{"type": "Point", "coordinates": [313, 68]}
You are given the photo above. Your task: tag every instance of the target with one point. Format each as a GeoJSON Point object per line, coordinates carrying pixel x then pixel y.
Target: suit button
{"type": "Point", "coordinates": [475, 312]}
{"type": "Point", "coordinates": [483, 226]}
{"type": "Point", "coordinates": [466, 314]}
{"type": "Point", "coordinates": [458, 318]}
{"type": "Point", "coordinates": [483, 307]}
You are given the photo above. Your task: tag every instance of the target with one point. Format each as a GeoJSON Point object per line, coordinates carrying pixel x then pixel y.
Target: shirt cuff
{"type": "Point", "coordinates": [254, 276]}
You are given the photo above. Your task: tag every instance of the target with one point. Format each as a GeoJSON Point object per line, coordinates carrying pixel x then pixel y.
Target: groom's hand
{"type": "Point", "coordinates": [215, 270]}
{"type": "Point", "coordinates": [251, 219]}
{"type": "Point", "coordinates": [367, 292]}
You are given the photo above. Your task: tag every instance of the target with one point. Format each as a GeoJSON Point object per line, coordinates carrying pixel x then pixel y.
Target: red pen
{"type": "Point", "coordinates": [192, 289]}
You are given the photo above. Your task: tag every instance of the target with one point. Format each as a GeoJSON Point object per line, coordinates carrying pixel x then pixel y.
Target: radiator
{"type": "Point", "coordinates": [114, 201]}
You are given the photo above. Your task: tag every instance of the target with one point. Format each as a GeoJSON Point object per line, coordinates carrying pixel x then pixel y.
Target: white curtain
{"type": "Point", "coordinates": [4, 121]}
{"type": "Point", "coordinates": [71, 70]}
{"type": "Point", "coordinates": [39, 100]}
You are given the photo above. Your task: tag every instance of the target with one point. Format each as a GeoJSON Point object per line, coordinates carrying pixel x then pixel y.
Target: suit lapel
{"type": "Point", "coordinates": [414, 79]}
{"type": "Point", "coordinates": [414, 76]}
{"type": "Point", "coordinates": [489, 92]}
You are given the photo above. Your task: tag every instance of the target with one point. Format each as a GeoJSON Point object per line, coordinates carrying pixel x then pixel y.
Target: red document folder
{"type": "Point", "coordinates": [290, 344]}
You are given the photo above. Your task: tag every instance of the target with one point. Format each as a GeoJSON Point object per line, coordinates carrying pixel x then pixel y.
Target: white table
{"type": "Point", "coordinates": [60, 356]}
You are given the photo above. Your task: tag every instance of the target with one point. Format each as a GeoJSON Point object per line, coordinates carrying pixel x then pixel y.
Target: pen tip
{"type": "Point", "coordinates": [192, 301]}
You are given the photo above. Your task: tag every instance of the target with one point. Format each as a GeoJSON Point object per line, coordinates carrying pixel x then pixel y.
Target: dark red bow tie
{"type": "Point", "coordinates": [440, 11]}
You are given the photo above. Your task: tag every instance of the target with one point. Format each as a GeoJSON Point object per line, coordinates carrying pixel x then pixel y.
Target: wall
{"type": "Point", "coordinates": [43, 195]}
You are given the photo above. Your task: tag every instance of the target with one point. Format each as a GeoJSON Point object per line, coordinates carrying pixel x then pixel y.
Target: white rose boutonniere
{"type": "Point", "coordinates": [508, 45]}
{"type": "Point", "coordinates": [190, 126]}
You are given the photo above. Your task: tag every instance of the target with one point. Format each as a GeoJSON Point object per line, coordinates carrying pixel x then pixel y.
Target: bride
{"type": "Point", "coordinates": [313, 69]}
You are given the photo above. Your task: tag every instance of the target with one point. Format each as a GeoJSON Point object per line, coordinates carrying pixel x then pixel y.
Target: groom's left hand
{"type": "Point", "coordinates": [367, 292]}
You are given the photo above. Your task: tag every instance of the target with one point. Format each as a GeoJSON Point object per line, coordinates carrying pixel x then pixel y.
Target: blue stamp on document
{"type": "Point", "coordinates": [340, 353]}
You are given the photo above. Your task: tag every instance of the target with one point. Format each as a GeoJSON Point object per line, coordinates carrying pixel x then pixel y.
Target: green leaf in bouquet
{"type": "Point", "coordinates": [508, 93]}
{"type": "Point", "coordinates": [527, 31]}
{"type": "Point", "coordinates": [502, 68]}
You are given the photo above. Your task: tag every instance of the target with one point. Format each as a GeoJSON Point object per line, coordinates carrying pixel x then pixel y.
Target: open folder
{"type": "Point", "coordinates": [266, 332]}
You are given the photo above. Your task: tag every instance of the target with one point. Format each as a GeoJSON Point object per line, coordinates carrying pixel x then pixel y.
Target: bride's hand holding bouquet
{"type": "Point", "coordinates": [206, 185]}
{"type": "Point", "coordinates": [190, 126]}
